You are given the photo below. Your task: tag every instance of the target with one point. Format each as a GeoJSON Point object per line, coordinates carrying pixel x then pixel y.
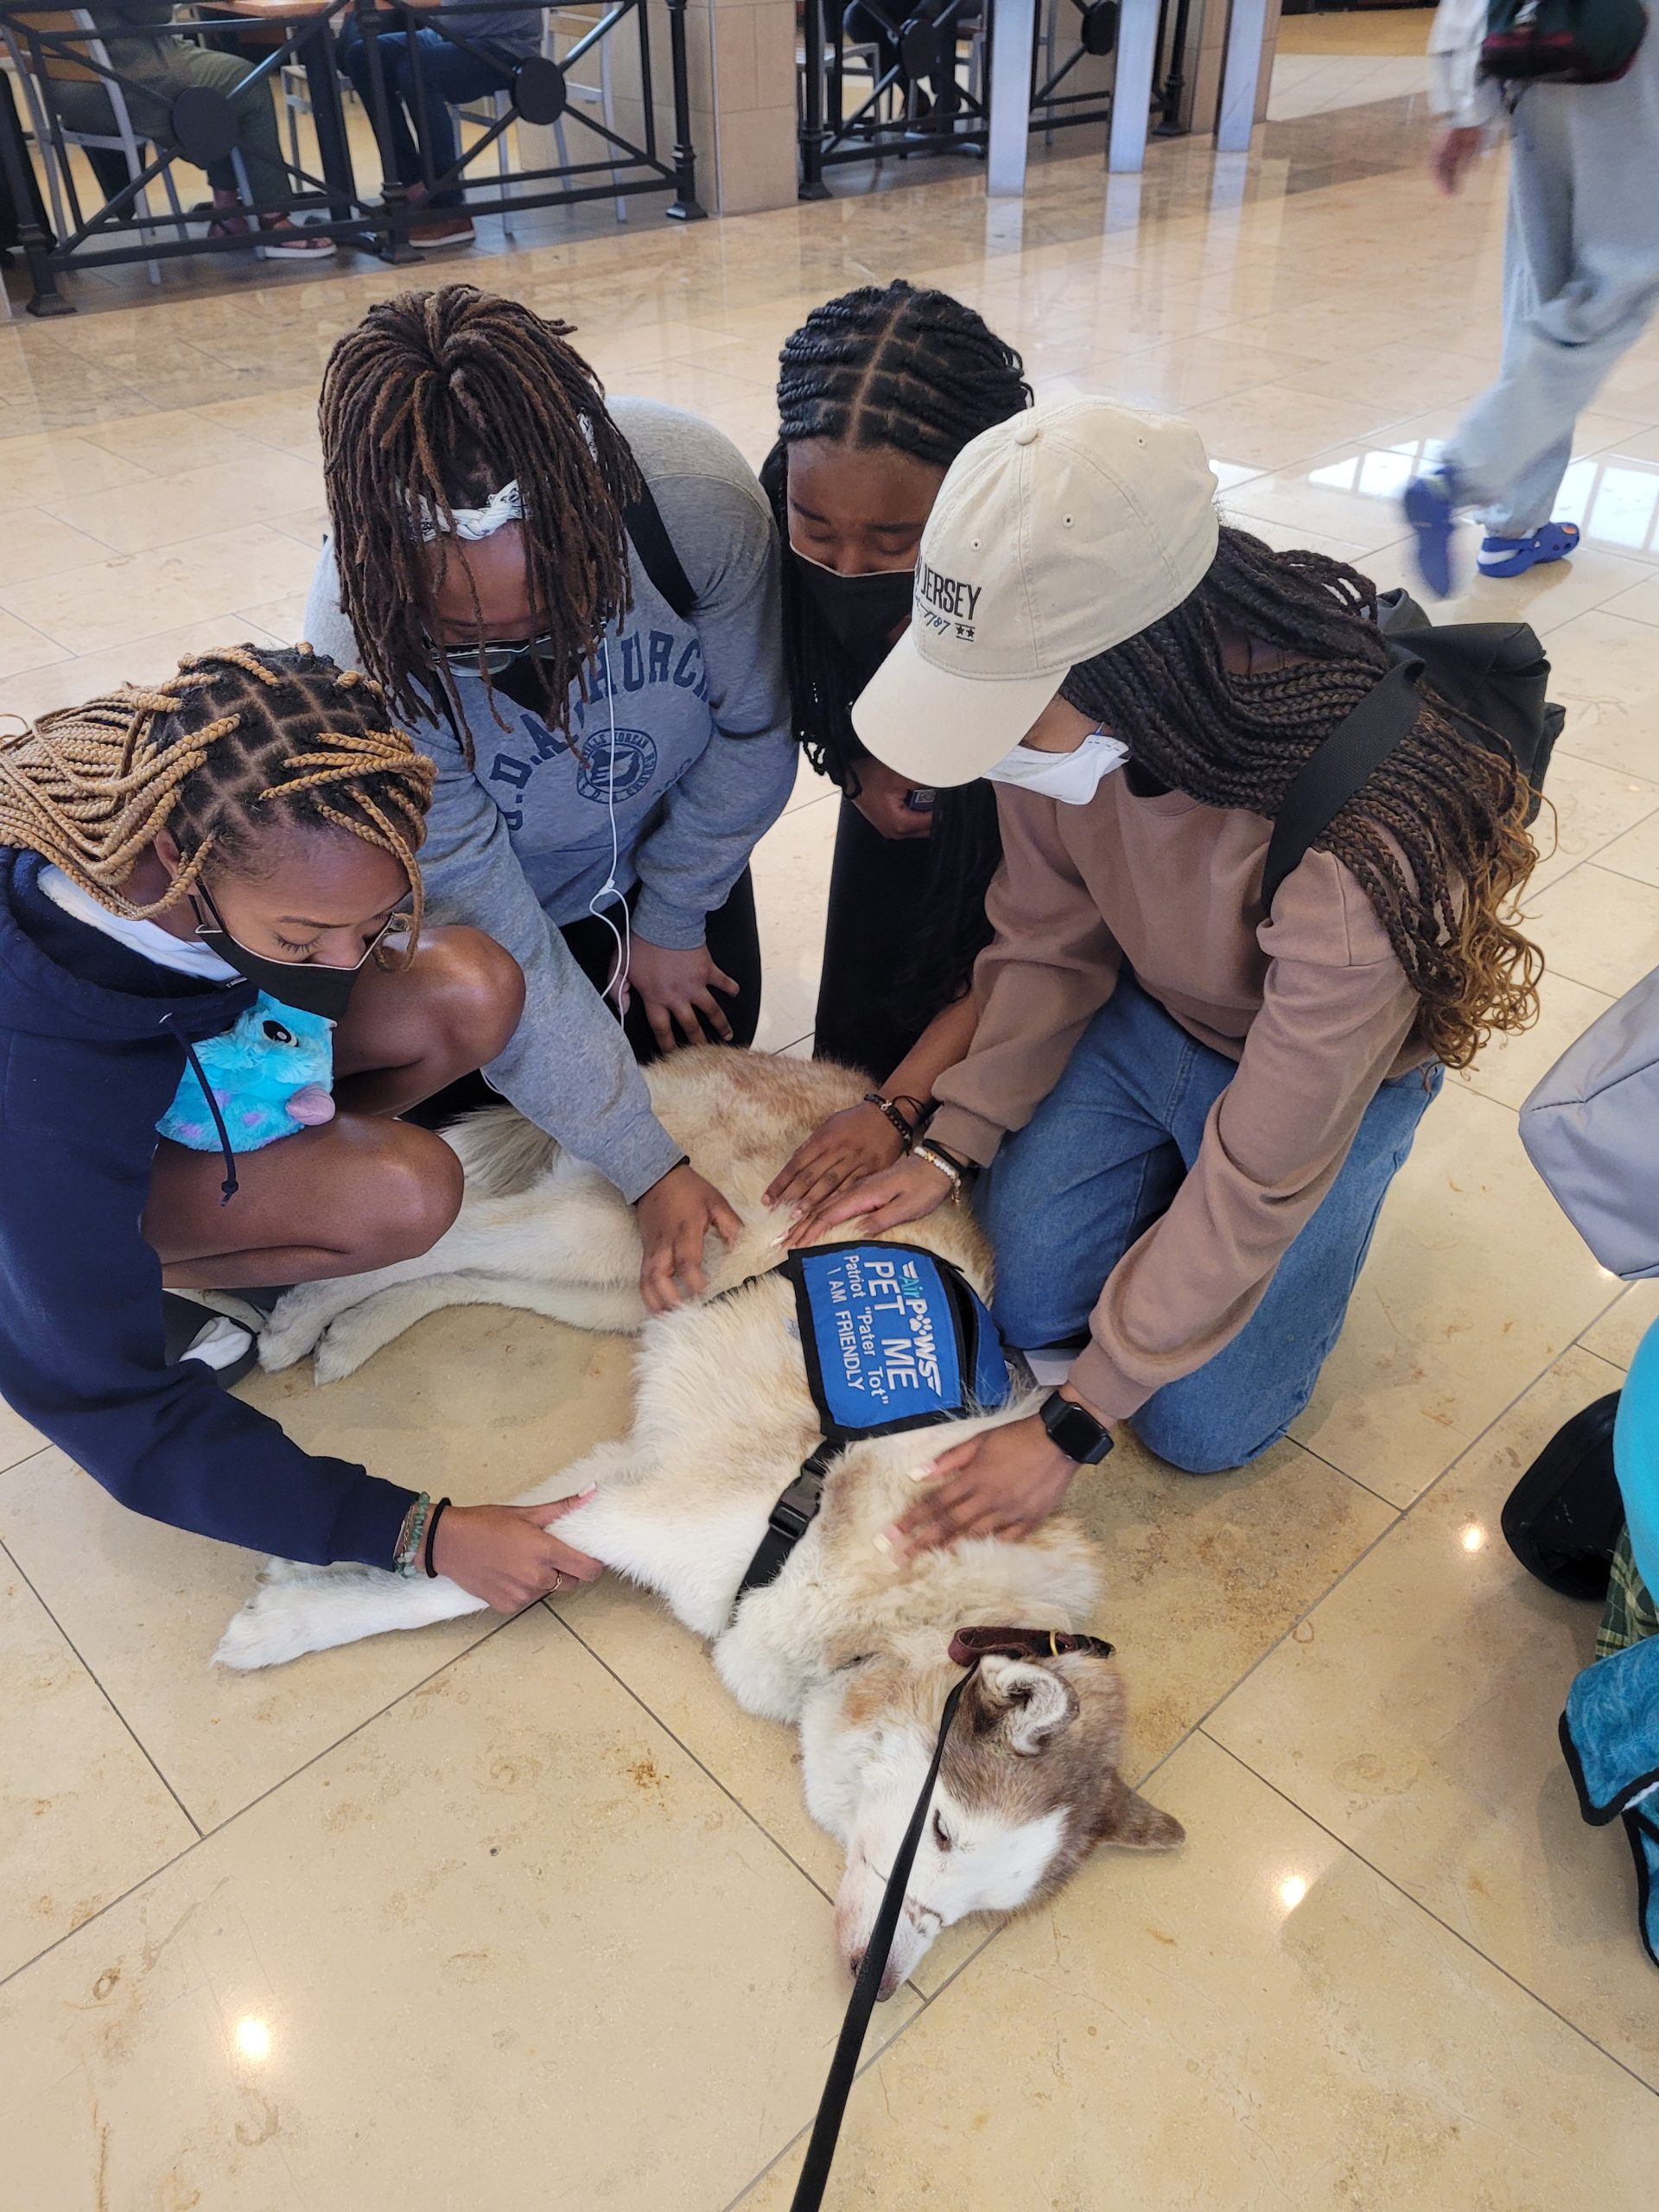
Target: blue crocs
{"type": "Point", "coordinates": [1431, 506]}
{"type": "Point", "coordinates": [1513, 556]}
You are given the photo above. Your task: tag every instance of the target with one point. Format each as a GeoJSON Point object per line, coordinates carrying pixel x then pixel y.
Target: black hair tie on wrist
{"type": "Point", "coordinates": [432, 1519]}
{"type": "Point", "coordinates": [893, 1110]}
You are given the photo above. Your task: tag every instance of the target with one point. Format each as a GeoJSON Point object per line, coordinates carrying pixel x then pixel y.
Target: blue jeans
{"type": "Point", "coordinates": [448, 74]}
{"type": "Point", "coordinates": [1098, 1163]}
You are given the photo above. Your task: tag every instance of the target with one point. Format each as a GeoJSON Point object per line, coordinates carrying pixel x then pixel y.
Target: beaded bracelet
{"type": "Point", "coordinates": [431, 1530]}
{"type": "Point", "coordinates": [406, 1557]}
{"type": "Point", "coordinates": [893, 1108]}
{"type": "Point", "coordinates": [947, 1166]}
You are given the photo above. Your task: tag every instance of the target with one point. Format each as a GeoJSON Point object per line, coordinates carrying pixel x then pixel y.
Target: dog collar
{"type": "Point", "coordinates": [970, 1645]}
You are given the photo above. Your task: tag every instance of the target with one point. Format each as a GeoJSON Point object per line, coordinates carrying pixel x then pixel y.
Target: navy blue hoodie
{"type": "Point", "coordinates": [91, 1047]}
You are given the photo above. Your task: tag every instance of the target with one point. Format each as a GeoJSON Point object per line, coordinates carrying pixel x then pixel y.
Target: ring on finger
{"type": "Point", "coordinates": [559, 1581]}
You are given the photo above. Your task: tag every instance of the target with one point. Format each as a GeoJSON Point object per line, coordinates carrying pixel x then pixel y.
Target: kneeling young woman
{"type": "Point", "coordinates": [878, 392]}
{"type": "Point", "coordinates": [166, 857]}
{"type": "Point", "coordinates": [1191, 1108]}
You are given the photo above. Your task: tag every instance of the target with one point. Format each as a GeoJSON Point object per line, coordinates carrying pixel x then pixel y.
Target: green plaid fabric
{"type": "Point", "coordinates": [1631, 1614]}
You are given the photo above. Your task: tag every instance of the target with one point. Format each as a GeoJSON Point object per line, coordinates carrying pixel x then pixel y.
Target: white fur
{"type": "Point", "coordinates": [722, 1419]}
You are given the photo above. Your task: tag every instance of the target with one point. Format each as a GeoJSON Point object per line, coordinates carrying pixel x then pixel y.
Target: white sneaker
{"type": "Point", "coordinates": [219, 1343]}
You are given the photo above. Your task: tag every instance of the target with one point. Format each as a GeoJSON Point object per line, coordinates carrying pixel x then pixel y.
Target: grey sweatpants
{"type": "Point", "coordinates": [1580, 280]}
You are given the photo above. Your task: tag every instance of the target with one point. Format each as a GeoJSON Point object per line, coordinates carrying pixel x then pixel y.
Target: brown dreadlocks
{"type": "Point", "coordinates": [437, 400]}
{"type": "Point", "coordinates": [1436, 838]}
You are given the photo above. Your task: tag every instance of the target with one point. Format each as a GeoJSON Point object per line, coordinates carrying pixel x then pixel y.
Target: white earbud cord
{"type": "Point", "coordinates": [617, 988]}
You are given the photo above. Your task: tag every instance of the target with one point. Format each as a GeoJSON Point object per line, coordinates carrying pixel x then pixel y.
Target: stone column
{"type": "Point", "coordinates": [1206, 44]}
{"type": "Point", "coordinates": [742, 61]}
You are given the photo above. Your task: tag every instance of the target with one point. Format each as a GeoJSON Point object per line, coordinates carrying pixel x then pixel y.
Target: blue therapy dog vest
{"type": "Point", "coordinates": [894, 1338]}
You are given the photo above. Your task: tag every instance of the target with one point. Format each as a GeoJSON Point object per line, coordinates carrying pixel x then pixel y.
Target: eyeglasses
{"type": "Point", "coordinates": [494, 656]}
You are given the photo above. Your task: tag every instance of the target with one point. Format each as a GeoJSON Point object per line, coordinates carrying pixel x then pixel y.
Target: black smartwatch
{"type": "Point", "coordinates": [1076, 1431]}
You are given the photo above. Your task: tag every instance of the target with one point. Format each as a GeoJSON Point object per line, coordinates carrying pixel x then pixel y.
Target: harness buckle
{"type": "Point", "coordinates": [797, 1509]}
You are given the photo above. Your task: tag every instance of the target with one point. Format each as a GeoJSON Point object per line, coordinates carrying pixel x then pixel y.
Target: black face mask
{"type": "Point", "coordinates": [306, 985]}
{"type": "Point", "coordinates": [861, 613]}
{"type": "Point", "coordinates": [523, 680]}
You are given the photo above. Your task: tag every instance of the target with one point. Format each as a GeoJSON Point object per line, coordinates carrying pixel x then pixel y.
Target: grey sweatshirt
{"type": "Point", "coordinates": [702, 766]}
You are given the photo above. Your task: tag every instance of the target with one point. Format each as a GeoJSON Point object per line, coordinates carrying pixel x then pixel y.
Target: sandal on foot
{"type": "Point", "coordinates": [1513, 556]}
{"type": "Point", "coordinates": [288, 242]}
{"type": "Point", "coordinates": [1431, 506]}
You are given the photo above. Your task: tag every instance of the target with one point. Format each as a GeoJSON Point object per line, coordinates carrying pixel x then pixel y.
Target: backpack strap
{"type": "Point", "coordinates": [1326, 783]}
{"type": "Point", "coordinates": [648, 534]}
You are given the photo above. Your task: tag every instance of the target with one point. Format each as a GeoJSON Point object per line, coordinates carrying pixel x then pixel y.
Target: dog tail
{"type": "Point", "coordinates": [502, 1153]}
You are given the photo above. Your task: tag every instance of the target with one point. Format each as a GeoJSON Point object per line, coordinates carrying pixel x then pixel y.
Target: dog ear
{"type": "Point", "coordinates": [1124, 1817]}
{"type": "Point", "coordinates": [1029, 1704]}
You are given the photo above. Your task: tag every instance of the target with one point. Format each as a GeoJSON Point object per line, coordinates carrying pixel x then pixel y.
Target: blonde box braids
{"type": "Point", "coordinates": [240, 741]}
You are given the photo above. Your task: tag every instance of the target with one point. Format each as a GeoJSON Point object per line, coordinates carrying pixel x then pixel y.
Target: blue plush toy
{"type": "Point", "coordinates": [271, 1075]}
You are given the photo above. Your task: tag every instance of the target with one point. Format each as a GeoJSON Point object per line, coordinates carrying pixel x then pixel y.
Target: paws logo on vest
{"type": "Point", "coordinates": [949, 603]}
{"type": "Point", "coordinates": [636, 764]}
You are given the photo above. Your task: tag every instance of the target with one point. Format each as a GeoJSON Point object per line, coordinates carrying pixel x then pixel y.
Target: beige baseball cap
{"type": "Point", "coordinates": [1055, 536]}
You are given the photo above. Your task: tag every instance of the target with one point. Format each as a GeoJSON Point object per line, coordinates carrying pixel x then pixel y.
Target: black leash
{"type": "Point", "coordinates": [967, 1647]}
{"type": "Point", "coordinates": [832, 2106]}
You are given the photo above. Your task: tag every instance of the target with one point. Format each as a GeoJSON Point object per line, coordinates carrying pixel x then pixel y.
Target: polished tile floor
{"type": "Point", "coordinates": [523, 1915]}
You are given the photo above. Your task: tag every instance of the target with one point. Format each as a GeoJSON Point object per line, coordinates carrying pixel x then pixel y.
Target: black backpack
{"type": "Point", "coordinates": [1491, 677]}
{"type": "Point", "coordinates": [1560, 41]}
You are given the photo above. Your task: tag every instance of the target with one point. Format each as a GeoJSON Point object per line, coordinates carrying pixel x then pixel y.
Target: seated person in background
{"type": "Point", "coordinates": [491, 45]}
{"type": "Point", "coordinates": [214, 858]}
{"type": "Point", "coordinates": [154, 71]}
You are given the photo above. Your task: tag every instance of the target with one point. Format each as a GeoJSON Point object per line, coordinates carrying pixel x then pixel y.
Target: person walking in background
{"type": "Point", "coordinates": [473, 56]}
{"type": "Point", "coordinates": [1580, 280]}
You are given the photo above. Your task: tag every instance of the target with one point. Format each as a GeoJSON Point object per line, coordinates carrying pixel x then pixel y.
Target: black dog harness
{"type": "Point", "coordinates": [894, 1338]}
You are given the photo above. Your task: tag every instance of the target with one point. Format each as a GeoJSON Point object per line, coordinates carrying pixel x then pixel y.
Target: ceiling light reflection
{"type": "Point", "coordinates": [1473, 1537]}
{"type": "Point", "coordinates": [1292, 1891]}
{"type": "Point", "coordinates": [253, 2037]}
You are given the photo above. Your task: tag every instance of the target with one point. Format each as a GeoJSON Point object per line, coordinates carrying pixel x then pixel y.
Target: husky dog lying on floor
{"type": "Point", "coordinates": [846, 1643]}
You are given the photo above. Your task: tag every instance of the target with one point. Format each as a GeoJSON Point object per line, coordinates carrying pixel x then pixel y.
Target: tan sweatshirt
{"type": "Point", "coordinates": [1312, 1005]}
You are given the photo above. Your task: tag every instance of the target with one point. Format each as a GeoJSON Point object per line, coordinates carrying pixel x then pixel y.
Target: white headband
{"type": "Point", "coordinates": [500, 509]}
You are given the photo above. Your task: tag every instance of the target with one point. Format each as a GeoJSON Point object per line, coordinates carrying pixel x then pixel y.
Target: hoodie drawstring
{"type": "Point", "coordinates": [230, 1186]}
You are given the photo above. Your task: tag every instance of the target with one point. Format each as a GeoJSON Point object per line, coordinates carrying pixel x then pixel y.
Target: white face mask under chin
{"type": "Point", "coordinates": [1071, 778]}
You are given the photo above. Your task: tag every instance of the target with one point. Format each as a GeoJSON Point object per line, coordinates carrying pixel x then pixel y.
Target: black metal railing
{"type": "Point", "coordinates": [136, 99]}
{"type": "Point", "coordinates": [906, 77]}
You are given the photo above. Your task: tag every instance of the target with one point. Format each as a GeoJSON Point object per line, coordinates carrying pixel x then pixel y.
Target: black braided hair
{"type": "Point", "coordinates": [915, 370]}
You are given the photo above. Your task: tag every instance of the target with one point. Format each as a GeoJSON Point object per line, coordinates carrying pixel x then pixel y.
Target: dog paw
{"type": "Point", "coordinates": [278, 1623]}
{"type": "Point", "coordinates": [297, 1320]}
{"type": "Point", "coordinates": [343, 1347]}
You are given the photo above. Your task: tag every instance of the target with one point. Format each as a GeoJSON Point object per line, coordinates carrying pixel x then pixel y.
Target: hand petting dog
{"type": "Point", "coordinates": [1005, 1482]}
